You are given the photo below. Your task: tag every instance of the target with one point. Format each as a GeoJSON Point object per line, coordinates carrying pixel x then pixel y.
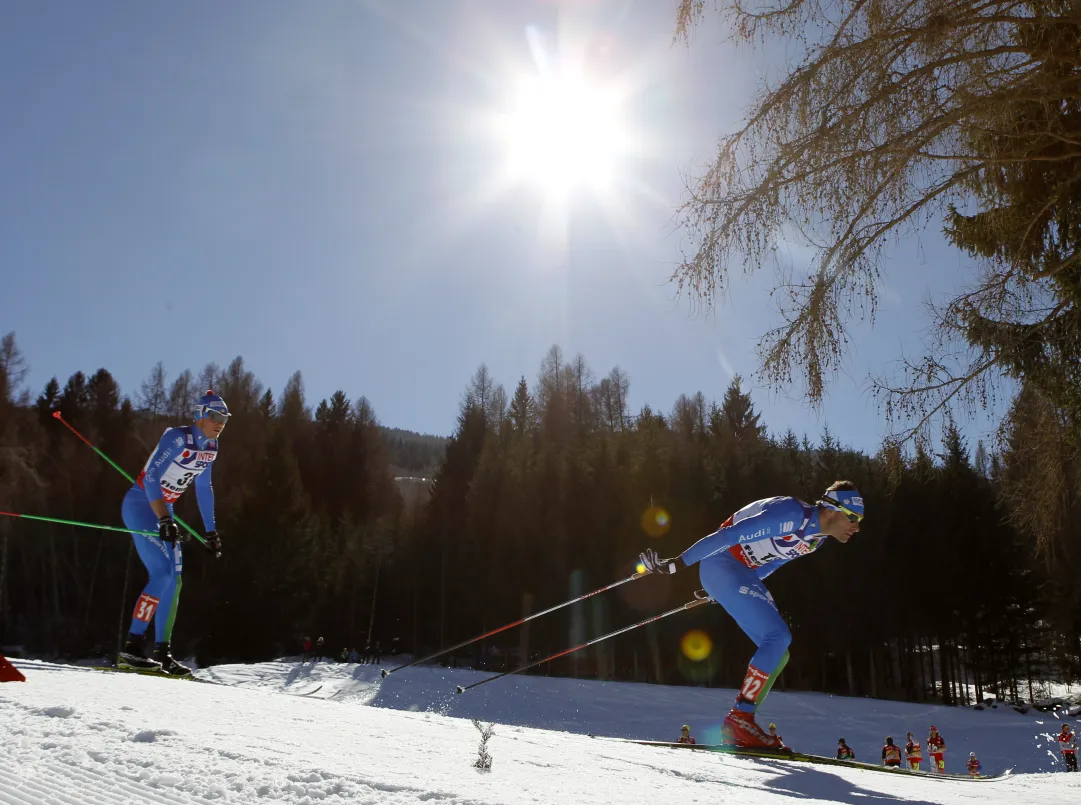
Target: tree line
{"type": "Point", "coordinates": [541, 495]}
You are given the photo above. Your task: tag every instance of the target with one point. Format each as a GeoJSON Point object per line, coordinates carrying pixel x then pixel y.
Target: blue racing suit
{"type": "Point", "coordinates": [183, 457]}
{"type": "Point", "coordinates": [748, 546]}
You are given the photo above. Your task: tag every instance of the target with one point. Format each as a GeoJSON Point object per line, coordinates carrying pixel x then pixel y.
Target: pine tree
{"type": "Point", "coordinates": [522, 413]}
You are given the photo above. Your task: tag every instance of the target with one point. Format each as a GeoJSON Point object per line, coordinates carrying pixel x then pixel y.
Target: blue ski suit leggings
{"type": "Point", "coordinates": [163, 562]}
{"type": "Point", "coordinates": [738, 589]}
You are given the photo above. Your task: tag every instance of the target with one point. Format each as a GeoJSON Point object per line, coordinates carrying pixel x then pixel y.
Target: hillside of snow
{"type": "Point", "coordinates": [329, 733]}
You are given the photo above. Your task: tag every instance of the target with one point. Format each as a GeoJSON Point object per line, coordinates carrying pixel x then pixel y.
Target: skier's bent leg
{"type": "Point", "coordinates": [158, 593]}
{"type": "Point", "coordinates": [155, 555]}
{"type": "Point", "coordinates": [762, 694]}
{"type": "Point", "coordinates": [179, 585]}
{"type": "Point", "coordinates": [745, 597]}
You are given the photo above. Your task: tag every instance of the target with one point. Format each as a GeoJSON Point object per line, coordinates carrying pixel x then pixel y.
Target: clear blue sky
{"type": "Point", "coordinates": [312, 185]}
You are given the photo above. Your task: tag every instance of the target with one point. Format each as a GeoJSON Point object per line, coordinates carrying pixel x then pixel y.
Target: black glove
{"type": "Point", "coordinates": [167, 530]}
{"type": "Point", "coordinates": [213, 543]}
{"type": "Point", "coordinates": [654, 564]}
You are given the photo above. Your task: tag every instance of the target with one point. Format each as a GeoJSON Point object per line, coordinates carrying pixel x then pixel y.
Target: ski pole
{"type": "Point", "coordinates": [77, 522]}
{"type": "Point", "coordinates": [115, 466]}
{"type": "Point", "coordinates": [698, 601]}
{"type": "Point", "coordinates": [518, 622]}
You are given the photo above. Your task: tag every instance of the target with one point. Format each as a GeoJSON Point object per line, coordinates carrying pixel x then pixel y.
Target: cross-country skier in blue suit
{"type": "Point", "coordinates": [748, 546]}
{"type": "Point", "coordinates": [184, 457]}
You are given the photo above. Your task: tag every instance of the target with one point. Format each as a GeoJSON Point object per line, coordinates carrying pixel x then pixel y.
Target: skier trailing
{"type": "Point", "coordinates": [184, 456]}
{"type": "Point", "coordinates": [748, 546]}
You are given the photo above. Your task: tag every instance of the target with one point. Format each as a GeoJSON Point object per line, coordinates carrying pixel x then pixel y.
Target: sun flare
{"type": "Point", "coordinates": [563, 133]}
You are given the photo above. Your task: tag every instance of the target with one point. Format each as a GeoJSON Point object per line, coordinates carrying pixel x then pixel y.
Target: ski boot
{"type": "Point", "coordinates": [168, 664]}
{"type": "Point", "coordinates": [740, 729]}
{"type": "Point", "coordinates": [131, 658]}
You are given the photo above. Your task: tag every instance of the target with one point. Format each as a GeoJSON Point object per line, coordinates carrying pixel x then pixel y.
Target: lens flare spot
{"type": "Point", "coordinates": [696, 645]}
{"type": "Point", "coordinates": [655, 521]}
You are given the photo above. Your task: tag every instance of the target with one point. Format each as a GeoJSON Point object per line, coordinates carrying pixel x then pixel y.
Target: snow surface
{"type": "Point", "coordinates": [330, 733]}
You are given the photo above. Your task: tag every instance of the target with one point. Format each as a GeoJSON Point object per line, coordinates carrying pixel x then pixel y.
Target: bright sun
{"type": "Point", "coordinates": [562, 133]}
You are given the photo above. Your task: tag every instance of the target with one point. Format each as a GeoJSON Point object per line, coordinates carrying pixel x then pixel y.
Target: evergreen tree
{"type": "Point", "coordinates": [549, 502]}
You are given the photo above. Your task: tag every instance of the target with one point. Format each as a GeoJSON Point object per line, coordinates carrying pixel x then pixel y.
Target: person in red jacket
{"type": "Point", "coordinates": [936, 748]}
{"type": "Point", "coordinates": [777, 738]}
{"type": "Point", "coordinates": [973, 765]}
{"type": "Point", "coordinates": [1067, 745]}
{"type": "Point", "coordinates": [685, 736]}
{"type": "Point", "coordinates": [913, 753]}
{"type": "Point", "coordinates": [891, 754]}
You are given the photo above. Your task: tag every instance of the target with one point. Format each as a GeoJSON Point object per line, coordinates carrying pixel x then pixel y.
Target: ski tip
{"type": "Point", "coordinates": [383, 673]}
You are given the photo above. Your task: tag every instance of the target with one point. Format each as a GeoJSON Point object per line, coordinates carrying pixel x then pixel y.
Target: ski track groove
{"type": "Point", "coordinates": [94, 787]}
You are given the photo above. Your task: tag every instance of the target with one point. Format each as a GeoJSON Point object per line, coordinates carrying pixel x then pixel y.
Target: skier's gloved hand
{"type": "Point", "coordinates": [213, 543]}
{"type": "Point", "coordinates": [167, 530]}
{"type": "Point", "coordinates": [654, 564]}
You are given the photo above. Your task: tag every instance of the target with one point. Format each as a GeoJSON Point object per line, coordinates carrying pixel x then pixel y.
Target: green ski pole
{"type": "Point", "coordinates": [79, 523]}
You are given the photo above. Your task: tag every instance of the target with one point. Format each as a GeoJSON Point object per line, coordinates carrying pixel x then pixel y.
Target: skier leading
{"type": "Point", "coordinates": [184, 456]}
{"type": "Point", "coordinates": [748, 546]}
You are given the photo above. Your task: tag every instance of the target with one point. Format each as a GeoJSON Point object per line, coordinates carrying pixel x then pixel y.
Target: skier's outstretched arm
{"type": "Point", "coordinates": [775, 519]}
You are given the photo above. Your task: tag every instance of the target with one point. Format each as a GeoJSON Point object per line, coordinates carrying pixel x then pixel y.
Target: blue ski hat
{"type": "Point", "coordinates": [211, 402]}
{"type": "Point", "coordinates": [844, 500]}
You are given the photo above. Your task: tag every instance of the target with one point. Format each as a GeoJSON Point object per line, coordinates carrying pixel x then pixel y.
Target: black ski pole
{"type": "Point", "coordinates": [518, 622]}
{"type": "Point", "coordinates": [699, 598]}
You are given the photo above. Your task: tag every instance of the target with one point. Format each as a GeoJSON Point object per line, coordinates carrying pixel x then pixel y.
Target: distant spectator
{"type": "Point", "coordinates": [377, 654]}
{"type": "Point", "coordinates": [891, 754]}
{"type": "Point", "coordinates": [685, 736]}
{"type": "Point", "coordinates": [936, 748]}
{"type": "Point", "coordinates": [844, 751]}
{"type": "Point", "coordinates": [366, 655]}
{"type": "Point", "coordinates": [777, 739]}
{"type": "Point", "coordinates": [344, 656]}
{"type": "Point", "coordinates": [1067, 745]}
{"type": "Point", "coordinates": [913, 753]}
{"type": "Point", "coordinates": [973, 765]}
{"type": "Point", "coordinates": [353, 656]}
{"type": "Point", "coordinates": [319, 645]}
{"type": "Point", "coordinates": [307, 649]}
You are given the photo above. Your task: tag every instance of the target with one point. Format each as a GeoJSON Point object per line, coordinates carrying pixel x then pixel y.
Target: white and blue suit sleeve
{"type": "Point", "coordinates": [776, 518]}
